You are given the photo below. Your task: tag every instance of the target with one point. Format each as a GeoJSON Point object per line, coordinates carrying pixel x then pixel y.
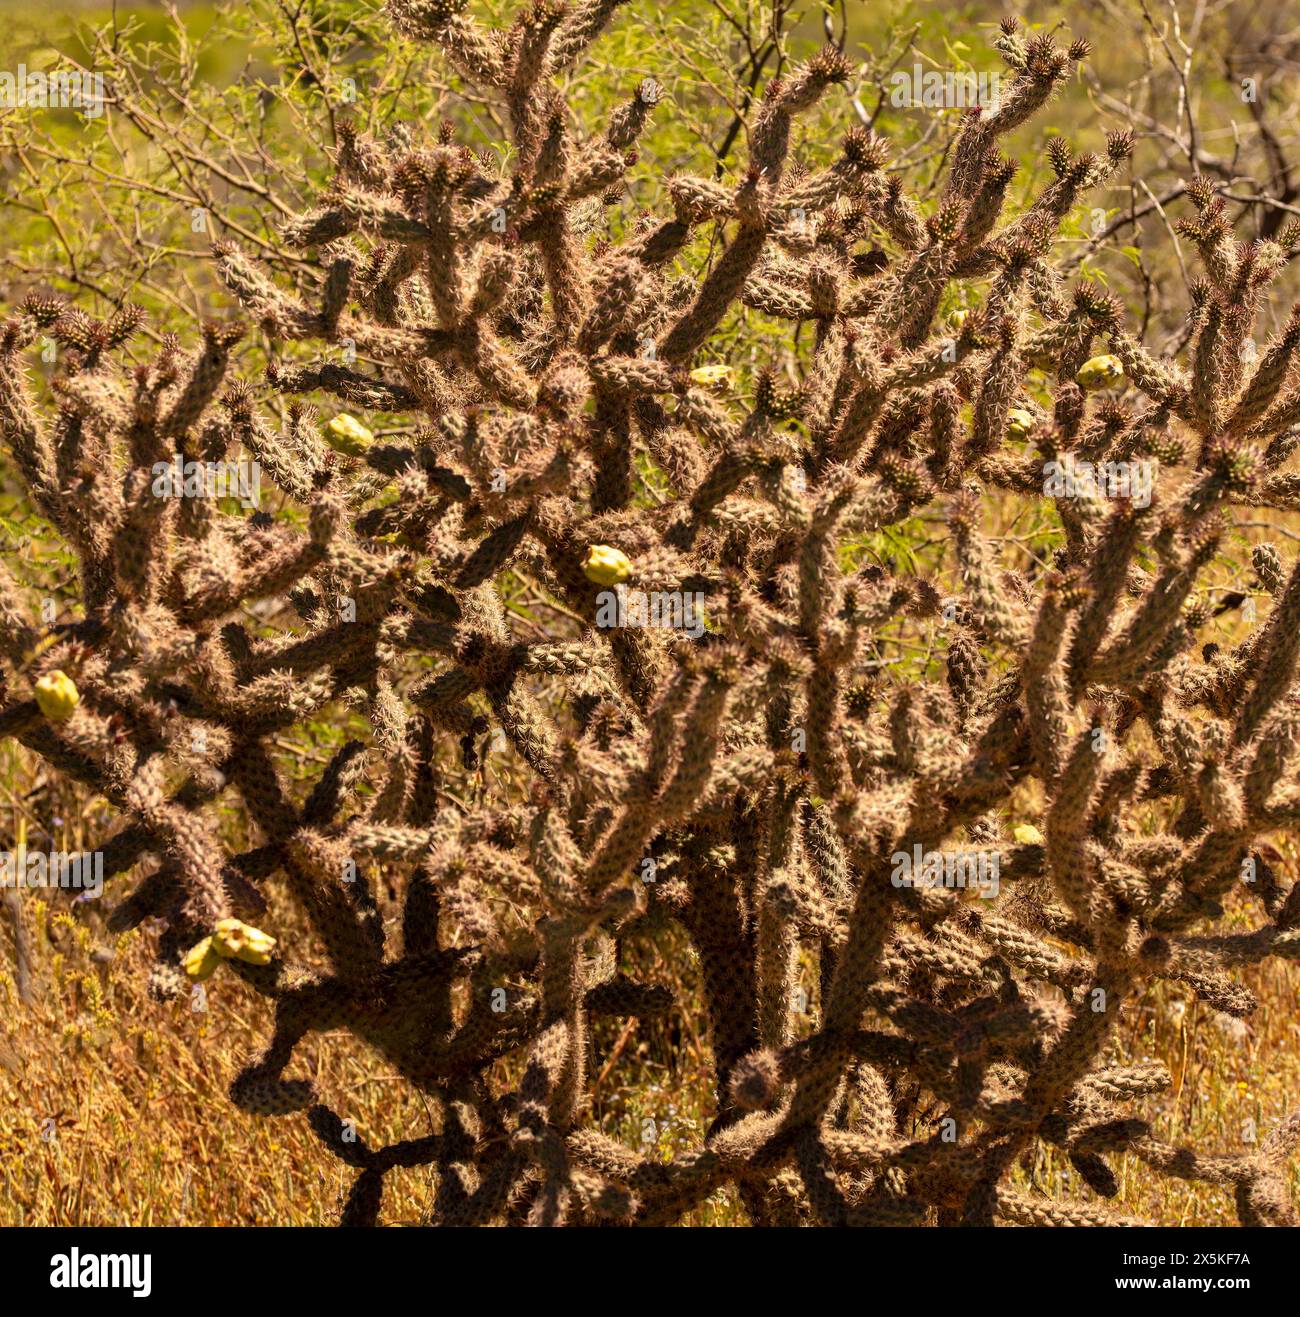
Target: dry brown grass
{"type": "Point", "coordinates": [144, 1134]}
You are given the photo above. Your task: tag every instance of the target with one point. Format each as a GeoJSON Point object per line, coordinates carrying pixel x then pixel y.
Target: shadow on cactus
{"type": "Point", "coordinates": [763, 784]}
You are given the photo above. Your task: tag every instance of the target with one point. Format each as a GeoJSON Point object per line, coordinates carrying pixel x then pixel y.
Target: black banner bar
{"type": "Point", "coordinates": [258, 1269]}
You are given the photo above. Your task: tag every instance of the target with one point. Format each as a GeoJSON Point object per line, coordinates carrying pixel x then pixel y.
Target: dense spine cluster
{"type": "Point", "coordinates": [751, 785]}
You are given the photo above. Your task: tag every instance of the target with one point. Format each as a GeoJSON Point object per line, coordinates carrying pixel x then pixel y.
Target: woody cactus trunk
{"type": "Point", "coordinates": [884, 1051]}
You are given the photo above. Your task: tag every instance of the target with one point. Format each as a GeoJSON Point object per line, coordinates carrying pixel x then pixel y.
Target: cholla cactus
{"type": "Point", "coordinates": [764, 772]}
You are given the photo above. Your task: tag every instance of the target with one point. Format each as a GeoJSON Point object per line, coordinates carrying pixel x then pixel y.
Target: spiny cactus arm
{"type": "Point", "coordinates": [1155, 619]}
{"type": "Point", "coordinates": [352, 386]}
{"type": "Point", "coordinates": [279, 313]}
{"type": "Point", "coordinates": [25, 438]}
{"type": "Point", "coordinates": [474, 50]}
{"type": "Point", "coordinates": [1277, 660]}
{"type": "Point", "coordinates": [206, 375]}
{"type": "Point", "coordinates": [1020, 1209]}
{"type": "Point", "coordinates": [316, 868]}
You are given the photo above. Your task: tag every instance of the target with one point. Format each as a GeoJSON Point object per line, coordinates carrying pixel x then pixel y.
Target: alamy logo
{"type": "Point", "coordinates": [71, 89]}
{"type": "Point", "coordinates": [1070, 478]}
{"type": "Point", "coordinates": [922, 868]}
{"type": "Point", "coordinates": [103, 1271]}
{"type": "Point", "coordinates": [24, 868]}
{"type": "Point", "coordinates": [181, 479]}
{"type": "Point", "coordinates": [944, 89]}
{"type": "Point", "coordinates": [675, 610]}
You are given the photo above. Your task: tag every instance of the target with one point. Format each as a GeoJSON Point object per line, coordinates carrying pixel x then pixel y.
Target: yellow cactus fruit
{"type": "Point", "coordinates": [1027, 835]}
{"type": "Point", "coordinates": [1020, 423]}
{"type": "Point", "coordinates": [956, 319]}
{"type": "Point", "coordinates": [200, 960]}
{"type": "Point", "coordinates": [1099, 372]}
{"type": "Point", "coordinates": [606, 566]}
{"type": "Point", "coordinates": [710, 374]}
{"type": "Point", "coordinates": [345, 434]}
{"type": "Point", "coordinates": [239, 941]}
{"type": "Point", "coordinates": [57, 696]}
